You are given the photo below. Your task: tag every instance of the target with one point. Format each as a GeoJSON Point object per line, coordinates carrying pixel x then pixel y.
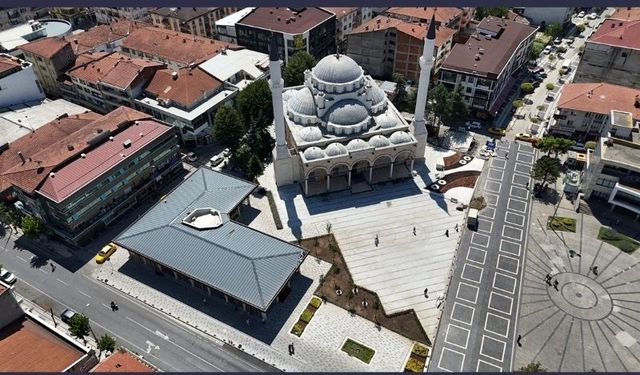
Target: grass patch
{"type": "Point", "coordinates": [306, 316]}
{"type": "Point", "coordinates": [417, 359]}
{"type": "Point", "coordinates": [297, 329]}
{"type": "Point", "coordinates": [561, 223]}
{"type": "Point", "coordinates": [420, 350]}
{"type": "Point", "coordinates": [354, 349]}
{"type": "Point", "coordinates": [274, 210]}
{"type": "Point", "coordinates": [619, 240]}
{"type": "Point", "coordinates": [414, 365]}
{"type": "Point", "coordinates": [315, 302]}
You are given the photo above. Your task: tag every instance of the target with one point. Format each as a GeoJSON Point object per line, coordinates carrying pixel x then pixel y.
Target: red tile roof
{"type": "Point", "coordinates": [41, 160]}
{"type": "Point", "coordinates": [108, 155]}
{"type": "Point", "coordinates": [281, 19]}
{"type": "Point", "coordinates": [418, 31]}
{"type": "Point", "coordinates": [604, 98]}
{"type": "Point", "coordinates": [443, 14]}
{"type": "Point", "coordinates": [122, 362]}
{"type": "Point", "coordinates": [189, 87]}
{"type": "Point", "coordinates": [618, 33]}
{"type": "Point", "coordinates": [45, 47]}
{"type": "Point", "coordinates": [340, 11]}
{"type": "Point", "coordinates": [26, 346]}
{"type": "Point", "coordinates": [626, 13]}
{"type": "Point", "coordinates": [114, 69]}
{"type": "Point", "coordinates": [102, 34]}
{"type": "Point", "coordinates": [496, 51]}
{"type": "Point", "coordinates": [174, 46]}
{"type": "Point", "coordinates": [7, 63]}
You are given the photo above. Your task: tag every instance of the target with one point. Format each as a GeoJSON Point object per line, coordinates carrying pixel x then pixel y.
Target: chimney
{"type": "Point", "coordinates": [21, 156]}
{"type": "Point", "coordinates": [70, 147]}
{"type": "Point", "coordinates": [52, 175]}
{"type": "Point", "coordinates": [83, 155]}
{"type": "Point", "coordinates": [126, 143]}
{"type": "Point", "coordinates": [174, 75]}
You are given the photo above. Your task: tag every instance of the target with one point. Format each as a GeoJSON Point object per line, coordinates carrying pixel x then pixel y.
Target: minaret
{"type": "Point", "coordinates": [426, 64]}
{"type": "Point", "coordinates": [282, 157]}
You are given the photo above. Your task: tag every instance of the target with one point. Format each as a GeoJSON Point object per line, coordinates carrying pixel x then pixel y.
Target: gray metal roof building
{"type": "Point", "coordinates": [241, 262]}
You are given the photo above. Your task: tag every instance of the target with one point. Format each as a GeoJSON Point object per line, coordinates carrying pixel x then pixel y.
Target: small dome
{"type": "Point", "coordinates": [301, 102]}
{"type": "Point", "coordinates": [313, 153]}
{"type": "Point", "coordinates": [310, 134]}
{"type": "Point", "coordinates": [400, 137]}
{"type": "Point", "coordinates": [379, 141]}
{"type": "Point", "coordinates": [337, 69]}
{"type": "Point", "coordinates": [377, 94]}
{"type": "Point", "coordinates": [336, 149]}
{"type": "Point", "coordinates": [357, 144]}
{"type": "Point", "coordinates": [386, 121]}
{"type": "Point", "coordinates": [347, 112]}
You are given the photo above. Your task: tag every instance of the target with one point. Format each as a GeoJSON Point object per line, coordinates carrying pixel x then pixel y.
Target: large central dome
{"type": "Point", "coordinates": [337, 69]}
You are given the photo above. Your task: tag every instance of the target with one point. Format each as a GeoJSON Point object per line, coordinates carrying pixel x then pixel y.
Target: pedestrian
{"type": "Point", "coordinates": [595, 270]}
{"type": "Point", "coordinates": [377, 240]}
{"type": "Point", "coordinates": [53, 267]}
{"type": "Point", "coordinates": [457, 228]}
{"type": "Point", "coordinates": [446, 232]}
{"type": "Point", "coordinates": [527, 185]}
{"type": "Point", "coordinates": [555, 284]}
{"type": "Point", "coordinates": [518, 340]}
{"type": "Point", "coordinates": [506, 156]}
{"type": "Point", "coordinates": [414, 231]}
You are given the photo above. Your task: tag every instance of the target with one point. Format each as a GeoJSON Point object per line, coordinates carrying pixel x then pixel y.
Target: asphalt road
{"type": "Point", "coordinates": [164, 342]}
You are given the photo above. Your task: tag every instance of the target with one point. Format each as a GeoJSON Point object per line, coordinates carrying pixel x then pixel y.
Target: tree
{"type": "Point", "coordinates": [439, 97]}
{"type": "Point", "coordinates": [260, 142]}
{"type": "Point", "coordinates": [254, 168]}
{"type": "Point", "coordinates": [550, 86]}
{"type": "Point", "coordinates": [4, 213]}
{"type": "Point", "coordinates": [581, 27]}
{"type": "Point", "coordinates": [293, 74]}
{"type": "Point", "coordinates": [546, 169]}
{"type": "Point", "coordinates": [457, 108]}
{"type": "Point", "coordinates": [552, 57]}
{"type": "Point", "coordinates": [526, 87]}
{"type": "Point", "coordinates": [79, 326]}
{"type": "Point", "coordinates": [227, 127]}
{"type": "Point", "coordinates": [532, 367]}
{"type": "Point", "coordinates": [242, 155]}
{"type": "Point", "coordinates": [554, 30]}
{"type": "Point", "coordinates": [517, 103]}
{"type": "Point", "coordinates": [254, 104]}
{"type": "Point", "coordinates": [31, 226]}
{"type": "Point", "coordinates": [106, 343]}
{"type": "Point", "coordinates": [555, 145]}
{"type": "Point", "coordinates": [483, 12]}
{"type": "Point", "coordinates": [400, 93]}
{"type": "Point", "coordinates": [536, 49]}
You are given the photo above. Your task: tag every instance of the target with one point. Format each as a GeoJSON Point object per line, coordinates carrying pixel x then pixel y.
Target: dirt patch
{"type": "Point", "coordinates": [456, 160]}
{"type": "Point", "coordinates": [469, 182]}
{"type": "Point", "coordinates": [478, 203]}
{"type": "Point", "coordinates": [338, 288]}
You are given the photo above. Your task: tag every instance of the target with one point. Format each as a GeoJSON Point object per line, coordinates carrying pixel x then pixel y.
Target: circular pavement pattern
{"type": "Point", "coordinates": [581, 297]}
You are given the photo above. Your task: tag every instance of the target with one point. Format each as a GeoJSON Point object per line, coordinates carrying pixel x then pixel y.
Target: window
{"type": "Point", "coordinates": [606, 183]}
{"type": "Point", "coordinates": [468, 90]}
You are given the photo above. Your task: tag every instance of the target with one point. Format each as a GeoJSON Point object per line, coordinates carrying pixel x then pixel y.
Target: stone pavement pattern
{"type": "Point", "coordinates": [592, 322]}
{"type": "Point", "coordinates": [317, 350]}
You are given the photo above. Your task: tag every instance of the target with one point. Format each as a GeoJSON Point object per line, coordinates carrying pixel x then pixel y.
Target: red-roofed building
{"type": "Point", "coordinates": [103, 38]}
{"type": "Point", "coordinates": [50, 57]}
{"type": "Point", "coordinates": [612, 54]}
{"type": "Point", "coordinates": [385, 45]}
{"type": "Point", "coordinates": [124, 361]}
{"type": "Point", "coordinates": [83, 172]}
{"type": "Point", "coordinates": [627, 13]}
{"type": "Point", "coordinates": [348, 19]}
{"type": "Point", "coordinates": [194, 21]}
{"type": "Point", "coordinates": [454, 18]}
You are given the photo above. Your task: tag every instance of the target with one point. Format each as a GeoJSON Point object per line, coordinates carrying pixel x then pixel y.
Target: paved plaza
{"type": "Point", "coordinates": [592, 322]}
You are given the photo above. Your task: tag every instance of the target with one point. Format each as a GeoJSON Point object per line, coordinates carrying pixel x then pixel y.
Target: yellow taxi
{"type": "Point", "coordinates": [105, 253]}
{"type": "Point", "coordinates": [497, 131]}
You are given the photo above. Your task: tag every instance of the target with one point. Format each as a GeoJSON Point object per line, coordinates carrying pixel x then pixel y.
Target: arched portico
{"type": "Point", "coordinates": [403, 164]}
{"type": "Point", "coordinates": [316, 181]}
{"type": "Point", "coordinates": [339, 177]}
{"type": "Point", "coordinates": [382, 169]}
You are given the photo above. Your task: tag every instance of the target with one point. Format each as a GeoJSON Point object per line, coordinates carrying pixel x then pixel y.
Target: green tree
{"type": "Point", "coordinates": [550, 86]}
{"type": "Point", "coordinates": [242, 155]}
{"type": "Point", "coordinates": [457, 108]}
{"type": "Point", "coordinates": [4, 213]}
{"type": "Point", "coordinates": [293, 74]}
{"type": "Point", "coordinates": [298, 43]}
{"type": "Point", "coordinates": [554, 30]}
{"type": "Point", "coordinates": [536, 49]}
{"type": "Point", "coordinates": [228, 128]}
{"type": "Point", "coordinates": [483, 12]}
{"type": "Point", "coordinates": [532, 367]}
{"type": "Point", "coordinates": [439, 98]}
{"type": "Point", "coordinates": [400, 96]}
{"type": "Point", "coordinates": [79, 326]}
{"type": "Point", "coordinates": [581, 27]}
{"type": "Point", "coordinates": [260, 142]}
{"type": "Point", "coordinates": [517, 103]}
{"type": "Point", "coordinates": [106, 343]}
{"type": "Point", "coordinates": [546, 169]}
{"type": "Point", "coordinates": [254, 104]}
{"type": "Point", "coordinates": [552, 57]}
{"type": "Point", "coordinates": [526, 87]}
{"type": "Point", "coordinates": [254, 168]}
{"type": "Point", "coordinates": [555, 145]}
{"type": "Point", "coordinates": [31, 226]}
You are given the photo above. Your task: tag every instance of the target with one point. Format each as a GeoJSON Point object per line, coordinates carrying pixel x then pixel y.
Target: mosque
{"type": "Point", "coordinates": [339, 130]}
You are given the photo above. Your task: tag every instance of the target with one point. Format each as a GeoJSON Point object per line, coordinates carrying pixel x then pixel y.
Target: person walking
{"type": "Point", "coordinates": [457, 228]}
{"type": "Point", "coordinates": [414, 231]}
{"type": "Point", "coordinates": [518, 340]}
{"type": "Point", "coordinates": [446, 232]}
{"type": "Point", "coordinates": [377, 240]}
{"type": "Point", "coordinates": [555, 285]}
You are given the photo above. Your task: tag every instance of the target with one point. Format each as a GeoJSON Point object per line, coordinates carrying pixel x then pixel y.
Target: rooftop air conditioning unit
{"type": "Point", "coordinates": [126, 143]}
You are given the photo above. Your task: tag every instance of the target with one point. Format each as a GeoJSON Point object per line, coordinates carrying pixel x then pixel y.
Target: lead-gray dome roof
{"type": "Point", "coordinates": [313, 153]}
{"type": "Point", "coordinates": [310, 134]}
{"type": "Point", "coordinates": [386, 121]}
{"type": "Point", "coordinates": [357, 144]}
{"type": "Point", "coordinates": [337, 69]}
{"type": "Point", "coordinates": [336, 149]}
{"type": "Point", "coordinates": [347, 112]}
{"type": "Point", "coordinates": [377, 94]}
{"type": "Point", "coordinates": [379, 141]}
{"type": "Point", "coordinates": [302, 102]}
{"type": "Point", "coordinates": [400, 137]}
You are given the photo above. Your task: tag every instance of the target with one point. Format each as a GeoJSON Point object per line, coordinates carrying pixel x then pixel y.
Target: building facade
{"type": "Point", "coordinates": [546, 16]}
{"type": "Point", "coordinates": [348, 19]}
{"type": "Point", "coordinates": [486, 66]}
{"type": "Point", "coordinates": [18, 82]}
{"type": "Point", "coordinates": [194, 21]}
{"type": "Point", "coordinates": [612, 54]}
{"type": "Point", "coordinates": [308, 29]}
{"type": "Point", "coordinates": [79, 17]}
{"type": "Point", "coordinates": [10, 17]}
{"type": "Point", "coordinates": [456, 18]}
{"type": "Point", "coordinates": [50, 57]}
{"type": "Point", "coordinates": [107, 15]}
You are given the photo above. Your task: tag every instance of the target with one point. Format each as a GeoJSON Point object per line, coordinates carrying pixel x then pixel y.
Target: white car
{"type": "Point", "coordinates": [473, 125]}
{"type": "Point", "coordinates": [592, 16]}
{"type": "Point", "coordinates": [547, 50]}
{"type": "Point", "coordinates": [581, 15]}
{"type": "Point", "coordinates": [8, 277]}
{"type": "Point", "coordinates": [192, 156]}
{"type": "Point", "coordinates": [216, 160]}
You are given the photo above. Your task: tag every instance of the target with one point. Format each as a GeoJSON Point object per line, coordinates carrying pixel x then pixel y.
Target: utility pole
{"type": "Point", "coordinates": [53, 317]}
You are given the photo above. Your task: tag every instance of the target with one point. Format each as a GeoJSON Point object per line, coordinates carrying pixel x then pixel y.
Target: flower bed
{"type": "Point", "coordinates": [417, 359]}
{"type": "Point", "coordinates": [560, 223]}
{"type": "Point", "coordinates": [354, 349]}
{"type": "Point", "coordinates": [306, 316]}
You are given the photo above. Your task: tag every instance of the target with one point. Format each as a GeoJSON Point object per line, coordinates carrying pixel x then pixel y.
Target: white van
{"type": "Point", "coordinates": [566, 65]}
{"type": "Point", "coordinates": [216, 160]}
{"type": "Point", "coordinates": [472, 219]}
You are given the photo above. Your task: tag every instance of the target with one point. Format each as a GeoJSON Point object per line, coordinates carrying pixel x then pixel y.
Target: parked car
{"type": "Point", "coordinates": [192, 156]}
{"type": "Point", "coordinates": [473, 125]}
{"type": "Point", "coordinates": [105, 253]}
{"type": "Point", "coordinates": [67, 314]}
{"type": "Point", "coordinates": [214, 161]}
{"type": "Point", "coordinates": [557, 41]}
{"type": "Point", "coordinates": [535, 84]}
{"type": "Point", "coordinates": [226, 152]}
{"type": "Point", "coordinates": [497, 131]}
{"type": "Point", "coordinates": [592, 16]}
{"type": "Point", "coordinates": [581, 15]}
{"type": "Point", "coordinates": [578, 147]}
{"type": "Point", "coordinates": [8, 277]}
{"type": "Point", "coordinates": [547, 50]}
{"type": "Point", "coordinates": [526, 137]}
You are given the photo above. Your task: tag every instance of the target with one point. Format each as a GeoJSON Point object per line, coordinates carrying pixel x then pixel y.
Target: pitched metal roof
{"type": "Point", "coordinates": [235, 259]}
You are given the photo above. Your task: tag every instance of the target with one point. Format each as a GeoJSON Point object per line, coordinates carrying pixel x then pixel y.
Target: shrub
{"type": "Point", "coordinates": [550, 86]}
{"type": "Point", "coordinates": [627, 246]}
{"type": "Point", "coordinates": [535, 120]}
{"type": "Point", "coordinates": [420, 350]}
{"type": "Point", "coordinates": [517, 103]}
{"type": "Point", "coordinates": [306, 316]}
{"type": "Point", "coordinates": [568, 221]}
{"type": "Point", "coordinates": [526, 87]}
{"type": "Point", "coordinates": [562, 71]}
{"type": "Point", "coordinates": [297, 329]}
{"type": "Point", "coordinates": [540, 107]}
{"type": "Point", "coordinates": [581, 27]}
{"type": "Point", "coordinates": [590, 145]}
{"type": "Point", "coordinates": [552, 57]}
{"type": "Point", "coordinates": [609, 234]}
{"type": "Point", "coordinates": [315, 302]}
{"type": "Point", "coordinates": [413, 365]}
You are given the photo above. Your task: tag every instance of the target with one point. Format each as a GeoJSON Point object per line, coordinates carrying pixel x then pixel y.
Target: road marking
{"type": "Point", "coordinates": [84, 294]}
{"type": "Point", "coordinates": [108, 307]}
{"type": "Point", "coordinates": [41, 270]}
{"type": "Point", "coordinates": [164, 336]}
{"type": "Point", "coordinates": [21, 258]}
{"type": "Point", "coordinates": [178, 346]}
{"type": "Point", "coordinates": [67, 284]}
{"type": "Point", "coordinates": [151, 346]}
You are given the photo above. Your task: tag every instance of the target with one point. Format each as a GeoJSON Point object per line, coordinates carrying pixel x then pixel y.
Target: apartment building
{"type": "Point", "coordinates": [583, 109]}
{"type": "Point", "coordinates": [107, 15]}
{"type": "Point", "coordinates": [486, 65]}
{"type": "Point", "coordinates": [314, 29]}
{"type": "Point", "coordinates": [18, 82]}
{"type": "Point", "coordinates": [194, 21]}
{"type": "Point", "coordinates": [348, 19]}
{"type": "Point", "coordinates": [79, 173]}
{"type": "Point", "coordinates": [12, 39]}
{"type": "Point", "coordinates": [385, 45]}
{"type": "Point", "coordinates": [103, 38]}
{"type": "Point", "coordinates": [451, 17]}
{"type": "Point", "coordinates": [79, 17]}
{"type": "Point", "coordinates": [542, 16]}
{"type": "Point", "coordinates": [612, 54]}
{"type": "Point", "coordinates": [10, 17]}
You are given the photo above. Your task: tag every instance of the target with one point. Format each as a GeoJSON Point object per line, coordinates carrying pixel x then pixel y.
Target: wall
{"type": "Point", "coordinates": [368, 50]}
{"type": "Point", "coordinates": [603, 63]}
{"type": "Point", "coordinates": [10, 308]}
{"type": "Point", "coordinates": [546, 16]}
{"type": "Point", "coordinates": [20, 87]}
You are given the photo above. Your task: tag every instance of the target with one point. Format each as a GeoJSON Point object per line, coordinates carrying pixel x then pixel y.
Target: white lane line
{"type": "Point", "coordinates": [65, 283]}
{"type": "Point", "coordinates": [21, 258]}
{"type": "Point", "coordinates": [43, 271]}
{"type": "Point", "coordinates": [178, 346]}
{"type": "Point", "coordinates": [84, 294]}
